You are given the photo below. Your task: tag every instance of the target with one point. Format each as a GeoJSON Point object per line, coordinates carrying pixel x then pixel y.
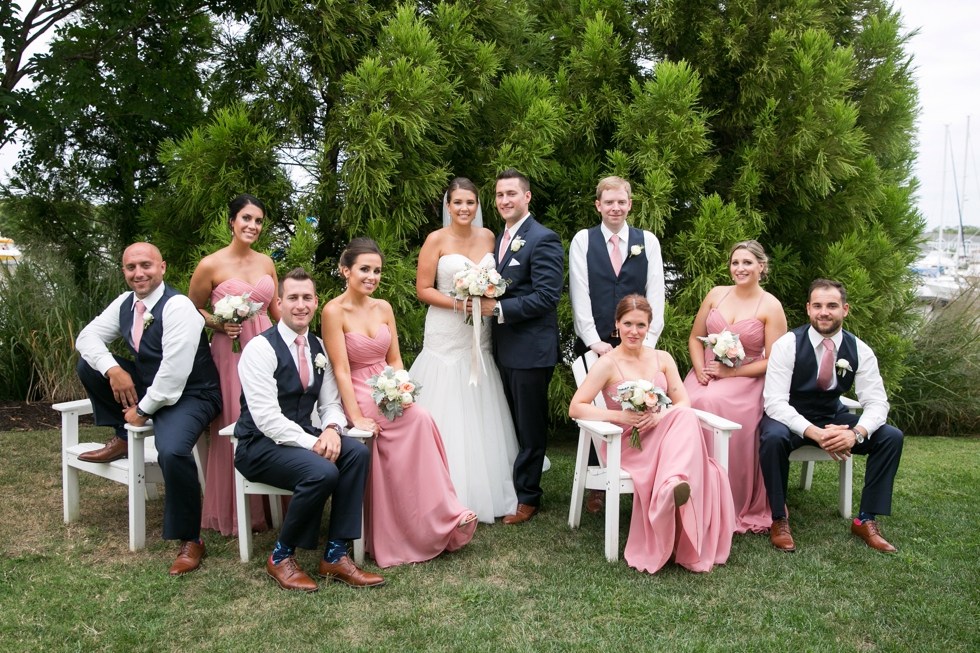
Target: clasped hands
{"type": "Point", "coordinates": [715, 370]}
{"type": "Point", "coordinates": [486, 306]}
{"type": "Point", "coordinates": [648, 419]}
{"type": "Point", "coordinates": [835, 439]}
{"type": "Point", "coordinates": [124, 391]}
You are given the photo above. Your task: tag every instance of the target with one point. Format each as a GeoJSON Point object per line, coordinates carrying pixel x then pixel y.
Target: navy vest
{"type": "Point", "coordinates": [203, 376]}
{"type": "Point", "coordinates": [605, 288]}
{"type": "Point", "coordinates": [296, 404]}
{"type": "Point", "coordinates": [819, 406]}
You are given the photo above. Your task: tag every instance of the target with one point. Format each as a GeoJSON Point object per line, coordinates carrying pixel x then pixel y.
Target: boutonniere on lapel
{"type": "Point", "coordinates": [147, 320]}
{"type": "Point", "coordinates": [320, 362]}
{"type": "Point", "coordinates": [516, 244]}
{"type": "Point", "coordinates": [636, 250]}
{"type": "Point", "coordinates": [843, 366]}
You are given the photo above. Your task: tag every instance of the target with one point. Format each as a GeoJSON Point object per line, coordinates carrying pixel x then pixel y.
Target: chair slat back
{"type": "Point", "coordinates": [581, 367]}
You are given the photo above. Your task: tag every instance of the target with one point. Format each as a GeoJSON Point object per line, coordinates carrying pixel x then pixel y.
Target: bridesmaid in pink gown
{"type": "Point", "coordinates": [682, 503]}
{"type": "Point", "coordinates": [736, 393]}
{"type": "Point", "coordinates": [255, 274]}
{"type": "Point", "coordinates": [411, 510]}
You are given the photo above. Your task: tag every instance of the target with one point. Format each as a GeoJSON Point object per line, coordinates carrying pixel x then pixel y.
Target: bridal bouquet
{"type": "Point", "coordinates": [640, 396]}
{"type": "Point", "coordinates": [235, 309]}
{"type": "Point", "coordinates": [477, 282]}
{"type": "Point", "coordinates": [393, 391]}
{"type": "Point", "coordinates": [725, 346]}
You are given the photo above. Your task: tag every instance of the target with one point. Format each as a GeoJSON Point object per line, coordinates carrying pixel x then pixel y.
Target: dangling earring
{"type": "Point", "coordinates": [615, 333]}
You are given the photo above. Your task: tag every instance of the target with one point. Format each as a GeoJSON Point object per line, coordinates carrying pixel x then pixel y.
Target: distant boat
{"type": "Point", "coordinates": [9, 254]}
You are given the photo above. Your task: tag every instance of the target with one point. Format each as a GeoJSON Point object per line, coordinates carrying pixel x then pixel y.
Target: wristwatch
{"type": "Point", "coordinates": [142, 413]}
{"type": "Point", "coordinates": [857, 435]}
{"type": "Point", "coordinates": [496, 310]}
{"type": "Point", "coordinates": [333, 426]}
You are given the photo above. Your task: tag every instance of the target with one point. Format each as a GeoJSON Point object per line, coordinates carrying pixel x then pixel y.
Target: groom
{"type": "Point", "coordinates": [525, 333]}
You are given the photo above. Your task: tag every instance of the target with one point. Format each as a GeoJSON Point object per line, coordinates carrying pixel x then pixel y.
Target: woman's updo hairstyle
{"type": "Point", "coordinates": [754, 248]}
{"type": "Point", "coordinates": [358, 246]}
{"type": "Point", "coordinates": [462, 183]}
{"type": "Point", "coordinates": [633, 302]}
{"type": "Point", "coordinates": [236, 205]}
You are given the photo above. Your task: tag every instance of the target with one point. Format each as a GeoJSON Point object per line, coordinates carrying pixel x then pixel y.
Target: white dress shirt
{"type": "Point", "coordinates": [513, 233]}
{"type": "Point", "coordinates": [256, 369]}
{"type": "Point", "coordinates": [578, 282]}
{"type": "Point", "coordinates": [867, 383]}
{"type": "Point", "coordinates": [181, 337]}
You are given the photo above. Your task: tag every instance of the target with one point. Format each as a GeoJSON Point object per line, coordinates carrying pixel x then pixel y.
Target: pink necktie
{"type": "Point", "coordinates": [615, 256]}
{"type": "Point", "coordinates": [826, 373]}
{"type": "Point", "coordinates": [503, 245]}
{"type": "Point", "coordinates": [138, 324]}
{"type": "Point", "coordinates": [304, 370]}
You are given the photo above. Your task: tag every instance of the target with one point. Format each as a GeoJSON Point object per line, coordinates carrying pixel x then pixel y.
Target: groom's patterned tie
{"type": "Point", "coordinates": [826, 373]}
{"type": "Point", "coordinates": [504, 241]}
{"type": "Point", "coordinates": [304, 369]}
{"type": "Point", "coordinates": [138, 324]}
{"type": "Point", "coordinates": [615, 256]}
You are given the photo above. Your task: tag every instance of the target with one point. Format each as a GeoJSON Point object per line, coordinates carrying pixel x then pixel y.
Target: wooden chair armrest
{"type": "Point", "coordinates": [359, 434]}
{"type": "Point", "coordinates": [712, 420]}
{"type": "Point", "coordinates": [228, 430]}
{"type": "Point", "coordinates": [604, 430]}
{"type": "Point", "coordinates": [140, 432]}
{"type": "Point", "coordinates": [81, 407]}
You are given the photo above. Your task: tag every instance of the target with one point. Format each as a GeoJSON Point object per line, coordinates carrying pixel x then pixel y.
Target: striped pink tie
{"type": "Point", "coordinates": [826, 373]}
{"type": "Point", "coordinates": [304, 370]}
{"type": "Point", "coordinates": [503, 245]}
{"type": "Point", "coordinates": [615, 256]}
{"type": "Point", "coordinates": [138, 324]}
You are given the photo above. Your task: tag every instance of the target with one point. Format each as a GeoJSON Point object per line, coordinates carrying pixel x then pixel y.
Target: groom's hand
{"type": "Point", "coordinates": [123, 388]}
{"type": "Point", "coordinates": [486, 306]}
{"type": "Point", "coordinates": [328, 445]}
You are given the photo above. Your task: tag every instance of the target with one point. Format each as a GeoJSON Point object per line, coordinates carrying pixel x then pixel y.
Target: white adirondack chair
{"type": "Point", "coordinates": [140, 472]}
{"type": "Point", "coordinates": [610, 476]}
{"type": "Point", "coordinates": [244, 487]}
{"type": "Point", "coordinates": [808, 455]}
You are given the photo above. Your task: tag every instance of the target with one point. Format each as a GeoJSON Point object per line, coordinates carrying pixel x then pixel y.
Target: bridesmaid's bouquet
{"type": "Point", "coordinates": [393, 391]}
{"type": "Point", "coordinates": [725, 346]}
{"type": "Point", "coordinates": [235, 309]}
{"type": "Point", "coordinates": [640, 396]}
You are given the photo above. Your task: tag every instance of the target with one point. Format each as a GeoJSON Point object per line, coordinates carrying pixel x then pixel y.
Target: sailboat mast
{"type": "Point", "coordinates": [966, 151]}
{"type": "Point", "coordinates": [942, 201]}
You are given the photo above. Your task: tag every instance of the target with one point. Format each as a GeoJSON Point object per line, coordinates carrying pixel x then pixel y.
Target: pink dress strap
{"type": "Point", "coordinates": [759, 304]}
{"type": "Point", "coordinates": [622, 377]}
{"type": "Point", "coordinates": [723, 298]}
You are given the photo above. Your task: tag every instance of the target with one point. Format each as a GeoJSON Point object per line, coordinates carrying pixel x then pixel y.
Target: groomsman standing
{"type": "Point", "coordinates": [285, 373]}
{"type": "Point", "coordinates": [171, 379]}
{"type": "Point", "coordinates": [605, 264]}
{"type": "Point", "coordinates": [525, 330]}
{"type": "Point", "coordinates": [809, 369]}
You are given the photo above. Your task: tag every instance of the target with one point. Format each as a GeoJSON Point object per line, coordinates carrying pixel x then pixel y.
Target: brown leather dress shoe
{"type": "Point", "coordinates": [780, 536]}
{"type": "Point", "coordinates": [595, 501]}
{"type": "Point", "coordinates": [345, 571]}
{"type": "Point", "coordinates": [523, 514]}
{"type": "Point", "coordinates": [868, 531]}
{"type": "Point", "coordinates": [289, 576]}
{"type": "Point", "coordinates": [188, 559]}
{"type": "Point", "coordinates": [114, 449]}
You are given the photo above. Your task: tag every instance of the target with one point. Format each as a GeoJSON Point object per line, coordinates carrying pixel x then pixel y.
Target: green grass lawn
{"type": "Point", "coordinates": [538, 586]}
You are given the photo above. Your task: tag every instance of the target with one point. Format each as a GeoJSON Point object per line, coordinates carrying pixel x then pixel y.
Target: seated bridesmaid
{"type": "Point", "coordinates": [735, 393]}
{"type": "Point", "coordinates": [411, 510]}
{"type": "Point", "coordinates": [682, 504]}
{"type": "Point", "coordinates": [233, 270]}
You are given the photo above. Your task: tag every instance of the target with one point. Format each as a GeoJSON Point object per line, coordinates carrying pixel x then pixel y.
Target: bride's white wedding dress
{"type": "Point", "coordinates": [475, 423]}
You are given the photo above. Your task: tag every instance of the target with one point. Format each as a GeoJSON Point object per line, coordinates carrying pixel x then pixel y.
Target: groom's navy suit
{"type": "Point", "coordinates": [525, 344]}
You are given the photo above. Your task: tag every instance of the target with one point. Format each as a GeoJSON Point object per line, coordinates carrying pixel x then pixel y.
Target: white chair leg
{"type": "Point", "coordinates": [578, 482]}
{"type": "Point", "coordinates": [613, 453]}
{"type": "Point", "coordinates": [201, 460]}
{"type": "Point", "coordinates": [151, 492]}
{"type": "Point", "coordinates": [69, 475]}
{"type": "Point", "coordinates": [806, 475]}
{"type": "Point", "coordinates": [359, 543]}
{"type": "Point", "coordinates": [275, 508]}
{"type": "Point", "coordinates": [845, 485]}
{"type": "Point", "coordinates": [244, 518]}
{"type": "Point", "coordinates": [137, 489]}
{"type": "Point", "coordinates": [721, 447]}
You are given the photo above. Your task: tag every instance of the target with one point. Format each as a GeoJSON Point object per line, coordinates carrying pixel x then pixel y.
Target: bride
{"type": "Point", "coordinates": [474, 420]}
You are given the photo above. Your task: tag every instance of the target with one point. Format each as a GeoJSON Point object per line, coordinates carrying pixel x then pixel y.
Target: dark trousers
{"type": "Point", "coordinates": [177, 429]}
{"type": "Point", "coordinates": [883, 449]}
{"type": "Point", "coordinates": [527, 397]}
{"type": "Point", "coordinates": [312, 479]}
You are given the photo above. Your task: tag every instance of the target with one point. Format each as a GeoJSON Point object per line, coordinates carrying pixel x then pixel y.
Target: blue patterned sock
{"type": "Point", "coordinates": [865, 516]}
{"type": "Point", "coordinates": [336, 549]}
{"type": "Point", "coordinates": [281, 552]}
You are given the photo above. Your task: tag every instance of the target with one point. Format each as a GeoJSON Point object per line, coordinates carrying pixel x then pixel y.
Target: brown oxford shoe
{"type": "Point", "coordinates": [188, 559]}
{"type": "Point", "coordinates": [523, 514]}
{"type": "Point", "coordinates": [114, 449]}
{"type": "Point", "coordinates": [868, 531]}
{"type": "Point", "coordinates": [289, 576]}
{"type": "Point", "coordinates": [780, 536]}
{"type": "Point", "coordinates": [345, 571]}
{"type": "Point", "coordinates": [595, 501]}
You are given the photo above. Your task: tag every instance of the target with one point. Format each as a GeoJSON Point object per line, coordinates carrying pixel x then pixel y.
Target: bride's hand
{"type": "Point", "coordinates": [367, 424]}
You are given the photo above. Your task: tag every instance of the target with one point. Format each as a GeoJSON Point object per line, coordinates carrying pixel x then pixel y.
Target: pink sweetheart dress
{"type": "Point", "coordinates": [218, 511]}
{"type": "Point", "coordinates": [411, 512]}
{"type": "Point", "coordinates": [699, 534]}
{"type": "Point", "coordinates": [740, 400]}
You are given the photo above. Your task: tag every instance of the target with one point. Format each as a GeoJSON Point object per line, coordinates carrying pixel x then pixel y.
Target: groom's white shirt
{"type": "Point", "coordinates": [868, 386]}
{"type": "Point", "coordinates": [513, 232]}
{"type": "Point", "coordinates": [257, 368]}
{"type": "Point", "coordinates": [181, 337]}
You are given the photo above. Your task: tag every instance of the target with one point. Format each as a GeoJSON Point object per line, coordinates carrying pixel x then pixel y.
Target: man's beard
{"type": "Point", "coordinates": [835, 327]}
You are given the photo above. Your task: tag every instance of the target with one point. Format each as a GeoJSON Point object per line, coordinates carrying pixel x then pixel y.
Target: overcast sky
{"type": "Point", "coordinates": [947, 60]}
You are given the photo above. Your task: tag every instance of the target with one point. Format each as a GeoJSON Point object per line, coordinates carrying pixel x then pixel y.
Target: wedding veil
{"type": "Point", "coordinates": [446, 219]}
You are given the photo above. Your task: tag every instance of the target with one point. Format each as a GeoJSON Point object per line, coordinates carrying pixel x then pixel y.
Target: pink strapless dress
{"type": "Point", "coordinates": [218, 511]}
{"type": "Point", "coordinates": [411, 512]}
{"type": "Point", "coordinates": [699, 534]}
{"type": "Point", "coordinates": [740, 400]}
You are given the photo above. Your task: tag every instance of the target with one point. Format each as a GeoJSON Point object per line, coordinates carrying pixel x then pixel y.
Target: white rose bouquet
{"type": "Point", "coordinates": [476, 281]}
{"type": "Point", "coordinates": [235, 309]}
{"type": "Point", "coordinates": [640, 396]}
{"type": "Point", "coordinates": [725, 346]}
{"type": "Point", "coordinates": [393, 391]}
